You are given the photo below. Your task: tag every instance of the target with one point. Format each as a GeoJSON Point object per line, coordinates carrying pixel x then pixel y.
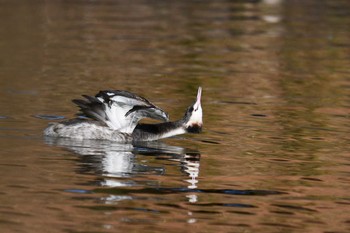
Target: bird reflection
{"type": "Point", "coordinates": [114, 160]}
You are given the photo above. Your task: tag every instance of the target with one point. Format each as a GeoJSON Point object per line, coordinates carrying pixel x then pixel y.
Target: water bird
{"type": "Point", "coordinates": [115, 114]}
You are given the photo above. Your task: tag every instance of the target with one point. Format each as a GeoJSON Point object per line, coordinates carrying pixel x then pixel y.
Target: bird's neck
{"type": "Point", "coordinates": [150, 132]}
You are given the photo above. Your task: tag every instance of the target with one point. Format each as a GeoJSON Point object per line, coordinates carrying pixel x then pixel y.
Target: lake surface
{"type": "Point", "coordinates": [274, 152]}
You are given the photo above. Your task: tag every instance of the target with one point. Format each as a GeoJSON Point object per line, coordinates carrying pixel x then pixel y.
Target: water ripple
{"type": "Point", "coordinates": [295, 207]}
{"type": "Point", "coordinates": [240, 205]}
{"type": "Point", "coordinates": [48, 117]}
{"type": "Point", "coordinates": [188, 190]}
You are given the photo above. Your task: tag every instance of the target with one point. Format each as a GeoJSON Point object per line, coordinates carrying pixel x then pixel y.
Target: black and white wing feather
{"type": "Point", "coordinates": [119, 110]}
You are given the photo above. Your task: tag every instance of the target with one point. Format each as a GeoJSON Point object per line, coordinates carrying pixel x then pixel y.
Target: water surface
{"type": "Point", "coordinates": [274, 154]}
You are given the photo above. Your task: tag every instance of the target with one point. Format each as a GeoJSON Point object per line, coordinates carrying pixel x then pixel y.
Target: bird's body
{"type": "Point", "coordinates": [85, 129]}
{"type": "Point", "coordinates": [114, 116]}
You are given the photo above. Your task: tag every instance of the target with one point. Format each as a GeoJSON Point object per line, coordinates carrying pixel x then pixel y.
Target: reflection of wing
{"type": "Point", "coordinates": [119, 110]}
{"type": "Point", "coordinates": [115, 160]}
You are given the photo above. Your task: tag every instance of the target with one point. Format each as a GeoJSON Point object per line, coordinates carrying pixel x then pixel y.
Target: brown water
{"type": "Point", "coordinates": [274, 154]}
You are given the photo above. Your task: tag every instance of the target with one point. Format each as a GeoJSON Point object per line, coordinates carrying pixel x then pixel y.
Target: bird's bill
{"type": "Point", "coordinates": [197, 104]}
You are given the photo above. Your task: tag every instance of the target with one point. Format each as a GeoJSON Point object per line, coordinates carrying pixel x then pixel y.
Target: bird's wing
{"type": "Point", "coordinates": [120, 110]}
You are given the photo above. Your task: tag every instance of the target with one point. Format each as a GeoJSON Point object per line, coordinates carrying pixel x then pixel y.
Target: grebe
{"type": "Point", "coordinates": [114, 115]}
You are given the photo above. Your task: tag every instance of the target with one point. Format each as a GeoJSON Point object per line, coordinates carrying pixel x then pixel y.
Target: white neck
{"type": "Point", "coordinates": [173, 132]}
{"type": "Point", "coordinates": [150, 132]}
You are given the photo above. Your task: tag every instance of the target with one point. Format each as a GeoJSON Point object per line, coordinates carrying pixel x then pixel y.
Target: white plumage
{"type": "Point", "coordinates": [120, 110]}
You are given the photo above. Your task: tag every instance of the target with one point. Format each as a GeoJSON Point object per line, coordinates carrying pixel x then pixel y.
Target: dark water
{"type": "Point", "coordinates": [274, 154]}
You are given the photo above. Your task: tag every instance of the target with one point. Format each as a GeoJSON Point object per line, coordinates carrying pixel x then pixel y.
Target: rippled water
{"type": "Point", "coordinates": [274, 154]}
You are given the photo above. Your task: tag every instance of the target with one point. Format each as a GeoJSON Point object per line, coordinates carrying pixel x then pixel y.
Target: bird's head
{"type": "Point", "coordinates": [193, 117]}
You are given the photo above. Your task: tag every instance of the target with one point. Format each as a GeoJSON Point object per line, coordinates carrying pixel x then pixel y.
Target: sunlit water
{"type": "Point", "coordinates": [274, 154]}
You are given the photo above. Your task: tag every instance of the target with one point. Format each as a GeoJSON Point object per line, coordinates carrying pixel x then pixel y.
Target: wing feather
{"type": "Point", "coordinates": [120, 110]}
{"type": "Point", "coordinates": [92, 108]}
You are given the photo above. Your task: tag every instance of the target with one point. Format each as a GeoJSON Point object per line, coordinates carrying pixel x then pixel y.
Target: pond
{"type": "Point", "coordinates": [274, 152]}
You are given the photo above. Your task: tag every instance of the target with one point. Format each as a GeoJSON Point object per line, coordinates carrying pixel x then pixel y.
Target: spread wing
{"type": "Point", "coordinates": [119, 110]}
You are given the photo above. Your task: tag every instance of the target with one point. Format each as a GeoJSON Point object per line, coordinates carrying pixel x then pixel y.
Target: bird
{"type": "Point", "coordinates": [114, 115]}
